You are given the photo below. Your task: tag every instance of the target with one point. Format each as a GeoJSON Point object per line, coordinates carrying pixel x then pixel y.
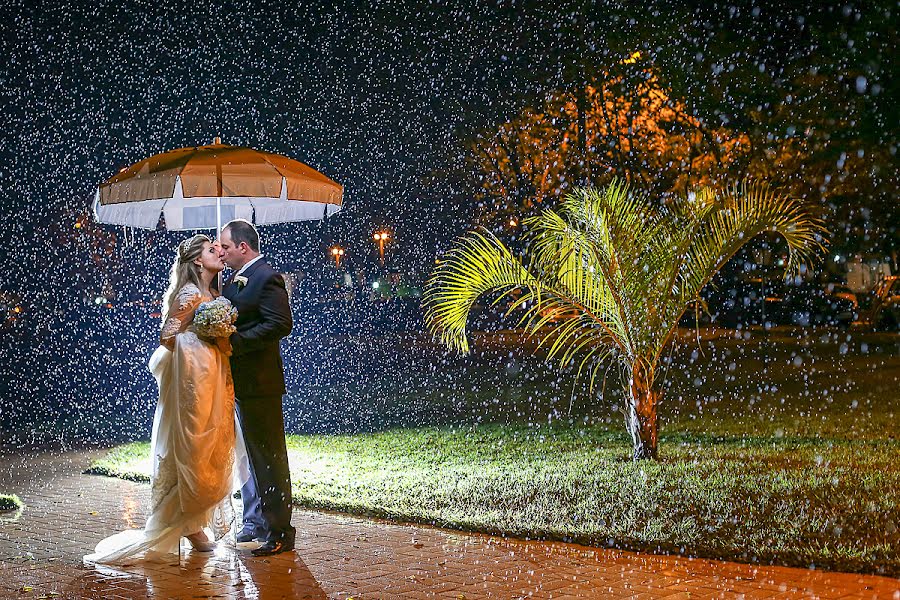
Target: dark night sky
{"type": "Point", "coordinates": [369, 96]}
{"type": "Point", "coordinates": [372, 94]}
{"type": "Point", "coordinates": [375, 95]}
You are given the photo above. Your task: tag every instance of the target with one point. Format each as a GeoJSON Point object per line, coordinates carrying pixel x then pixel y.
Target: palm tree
{"type": "Point", "coordinates": [615, 271]}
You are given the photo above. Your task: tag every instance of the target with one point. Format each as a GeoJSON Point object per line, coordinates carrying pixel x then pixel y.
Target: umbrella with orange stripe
{"type": "Point", "coordinates": [204, 187]}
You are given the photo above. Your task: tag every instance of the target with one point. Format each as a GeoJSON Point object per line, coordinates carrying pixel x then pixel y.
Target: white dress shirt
{"type": "Point", "coordinates": [247, 265]}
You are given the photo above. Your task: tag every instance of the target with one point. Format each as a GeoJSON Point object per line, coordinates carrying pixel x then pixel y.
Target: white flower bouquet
{"type": "Point", "coordinates": [215, 319]}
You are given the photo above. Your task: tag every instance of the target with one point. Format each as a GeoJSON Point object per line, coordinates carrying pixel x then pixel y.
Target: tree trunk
{"type": "Point", "coordinates": [640, 418]}
{"type": "Point", "coordinates": [581, 107]}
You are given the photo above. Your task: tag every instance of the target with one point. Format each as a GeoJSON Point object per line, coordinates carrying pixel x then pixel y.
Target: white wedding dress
{"type": "Point", "coordinates": [198, 452]}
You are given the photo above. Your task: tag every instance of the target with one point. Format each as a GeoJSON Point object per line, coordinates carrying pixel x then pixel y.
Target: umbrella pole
{"type": "Point", "coordinates": [219, 231]}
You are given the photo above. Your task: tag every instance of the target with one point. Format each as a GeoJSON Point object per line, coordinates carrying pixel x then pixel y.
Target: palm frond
{"type": "Point", "coordinates": [477, 264]}
{"type": "Point", "coordinates": [480, 264]}
{"type": "Point", "coordinates": [610, 229]}
{"type": "Point", "coordinates": [564, 256]}
{"type": "Point", "coordinates": [620, 270]}
{"type": "Point", "coordinates": [743, 212]}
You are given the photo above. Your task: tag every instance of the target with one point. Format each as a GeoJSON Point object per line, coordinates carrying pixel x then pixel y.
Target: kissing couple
{"type": "Point", "coordinates": [219, 424]}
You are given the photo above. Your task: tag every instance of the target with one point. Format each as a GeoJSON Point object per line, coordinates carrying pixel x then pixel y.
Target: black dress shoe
{"type": "Point", "coordinates": [244, 537]}
{"type": "Point", "coordinates": [273, 547]}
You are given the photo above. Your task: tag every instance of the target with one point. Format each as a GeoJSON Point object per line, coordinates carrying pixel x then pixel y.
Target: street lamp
{"type": "Point", "coordinates": [381, 238]}
{"type": "Point", "coordinates": [338, 253]}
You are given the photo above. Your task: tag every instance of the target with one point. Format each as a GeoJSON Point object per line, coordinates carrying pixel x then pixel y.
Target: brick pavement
{"type": "Point", "coordinates": [344, 557]}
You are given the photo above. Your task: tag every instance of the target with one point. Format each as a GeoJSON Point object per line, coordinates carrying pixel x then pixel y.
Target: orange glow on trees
{"type": "Point", "coordinates": [621, 123]}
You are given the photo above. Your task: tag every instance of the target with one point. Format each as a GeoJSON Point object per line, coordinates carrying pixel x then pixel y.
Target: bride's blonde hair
{"type": "Point", "coordinates": [184, 270]}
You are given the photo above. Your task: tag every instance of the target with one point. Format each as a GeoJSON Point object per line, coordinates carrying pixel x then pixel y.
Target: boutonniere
{"type": "Point", "coordinates": [240, 280]}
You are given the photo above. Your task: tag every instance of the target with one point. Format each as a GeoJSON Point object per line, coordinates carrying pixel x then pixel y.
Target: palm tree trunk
{"type": "Point", "coordinates": [640, 417]}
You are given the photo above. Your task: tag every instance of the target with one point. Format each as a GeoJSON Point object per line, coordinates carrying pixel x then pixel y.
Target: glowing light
{"type": "Point", "coordinates": [635, 56]}
{"type": "Point", "coordinates": [375, 285]}
{"type": "Point", "coordinates": [381, 237]}
{"type": "Point", "coordinates": [337, 252]}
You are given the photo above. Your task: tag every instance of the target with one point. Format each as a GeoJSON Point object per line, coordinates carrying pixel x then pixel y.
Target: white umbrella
{"type": "Point", "coordinates": [204, 187]}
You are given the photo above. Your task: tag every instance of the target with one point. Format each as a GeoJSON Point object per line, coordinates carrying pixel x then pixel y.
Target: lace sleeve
{"type": "Point", "coordinates": [181, 314]}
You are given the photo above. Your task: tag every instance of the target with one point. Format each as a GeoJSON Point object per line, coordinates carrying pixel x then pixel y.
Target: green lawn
{"type": "Point", "coordinates": [801, 470]}
{"type": "Point", "coordinates": [794, 501]}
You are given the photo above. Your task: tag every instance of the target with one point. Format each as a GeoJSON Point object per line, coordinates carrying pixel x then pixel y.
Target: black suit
{"type": "Point", "coordinates": [264, 317]}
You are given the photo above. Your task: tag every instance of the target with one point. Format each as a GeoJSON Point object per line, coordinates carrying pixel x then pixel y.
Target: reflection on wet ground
{"type": "Point", "coordinates": [340, 557]}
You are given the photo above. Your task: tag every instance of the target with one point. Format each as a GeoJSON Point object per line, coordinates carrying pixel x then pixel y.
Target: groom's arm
{"type": "Point", "coordinates": [275, 319]}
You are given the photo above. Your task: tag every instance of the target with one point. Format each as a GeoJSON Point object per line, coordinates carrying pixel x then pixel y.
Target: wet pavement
{"type": "Point", "coordinates": [344, 557]}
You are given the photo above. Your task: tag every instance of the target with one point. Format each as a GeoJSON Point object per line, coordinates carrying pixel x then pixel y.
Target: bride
{"type": "Point", "coordinates": [198, 454]}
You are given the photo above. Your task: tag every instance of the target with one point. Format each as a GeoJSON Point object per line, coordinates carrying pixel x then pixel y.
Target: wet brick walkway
{"type": "Point", "coordinates": [343, 557]}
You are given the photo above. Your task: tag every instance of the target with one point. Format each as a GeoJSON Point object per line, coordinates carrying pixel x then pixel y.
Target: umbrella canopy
{"type": "Point", "coordinates": [204, 187]}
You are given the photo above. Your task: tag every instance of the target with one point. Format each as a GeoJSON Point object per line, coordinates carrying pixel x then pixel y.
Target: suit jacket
{"type": "Point", "coordinates": [264, 317]}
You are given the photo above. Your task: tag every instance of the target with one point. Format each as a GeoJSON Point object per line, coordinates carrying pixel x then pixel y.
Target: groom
{"type": "Point", "coordinates": [264, 317]}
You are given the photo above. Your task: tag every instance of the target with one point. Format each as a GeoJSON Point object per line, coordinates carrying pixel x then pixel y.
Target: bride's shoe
{"type": "Point", "coordinates": [200, 542]}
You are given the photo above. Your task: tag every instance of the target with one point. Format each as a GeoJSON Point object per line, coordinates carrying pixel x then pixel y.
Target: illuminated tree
{"type": "Point", "coordinates": [616, 270]}
{"type": "Point", "coordinates": [620, 124]}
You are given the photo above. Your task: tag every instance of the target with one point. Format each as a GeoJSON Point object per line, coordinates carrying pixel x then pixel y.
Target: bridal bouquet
{"type": "Point", "coordinates": [215, 319]}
